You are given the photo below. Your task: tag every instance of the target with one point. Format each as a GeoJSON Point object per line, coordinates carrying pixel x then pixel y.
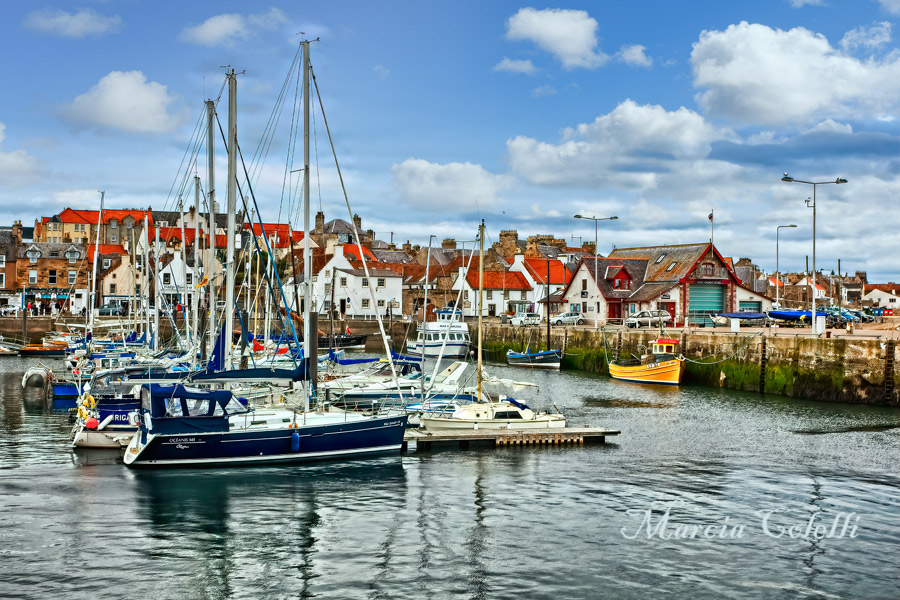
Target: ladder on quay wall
{"type": "Point", "coordinates": [889, 370]}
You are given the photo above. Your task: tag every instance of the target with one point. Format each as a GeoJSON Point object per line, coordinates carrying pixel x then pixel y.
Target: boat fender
{"type": "Point", "coordinates": [105, 422]}
{"type": "Point", "coordinates": [91, 423]}
{"type": "Point", "coordinates": [295, 442]}
{"type": "Point", "coordinates": [82, 413]}
{"type": "Point", "coordinates": [134, 419]}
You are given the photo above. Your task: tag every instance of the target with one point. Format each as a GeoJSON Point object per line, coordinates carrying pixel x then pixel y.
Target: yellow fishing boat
{"type": "Point", "coordinates": [659, 366]}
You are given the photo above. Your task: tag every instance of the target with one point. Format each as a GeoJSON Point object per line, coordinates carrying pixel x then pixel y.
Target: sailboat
{"type": "Point", "coordinates": [547, 359]}
{"type": "Point", "coordinates": [505, 413]}
{"type": "Point", "coordinates": [184, 426]}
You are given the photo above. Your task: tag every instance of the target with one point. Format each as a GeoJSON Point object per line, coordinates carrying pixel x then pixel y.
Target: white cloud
{"type": "Point", "coordinates": [756, 74]}
{"type": "Point", "coordinates": [802, 3]}
{"type": "Point", "coordinates": [515, 66]}
{"type": "Point", "coordinates": [128, 102]}
{"type": "Point", "coordinates": [447, 187]}
{"type": "Point", "coordinates": [85, 198]}
{"type": "Point", "coordinates": [381, 71]}
{"type": "Point", "coordinates": [570, 35]}
{"type": "Point", "coordinates": [867, 37]}
{"type": "Point", "coordinates": [17, 167]}
{"type": "Point", "coordinates": [228, 29]}
{"type": "Point", "coordinates": [628, 147]}
{"type": "Point", "coordinates": [79, 24]}
{"type": "Point", "coordinates": [543, 91]}
{"type": "Point", "coordinates": [634, 55]}
{"type": "Point", "coordinates": [828, 125]}
{"type": "Point", "coordinates": [891, 6]}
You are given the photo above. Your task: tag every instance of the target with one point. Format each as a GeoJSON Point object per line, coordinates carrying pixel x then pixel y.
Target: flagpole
{"type": "Point", "coordinates": [711, 227]}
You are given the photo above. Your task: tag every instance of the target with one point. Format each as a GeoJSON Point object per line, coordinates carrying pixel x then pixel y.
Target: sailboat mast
{"type": "Point", "coordinates": [197, 291]}
{"type": "Point", "coordinates": [211, 207]}
{"type": "Point", "coordinates": [480, 291]}
{"type": "Point", "coordinates": [95, 288]}
{"type": "Point", "coordinates": [307, 255]}
{"type": "Point", "coordinates": [232, 207]}
{"type": "Point", "coordinates": [548, 304]}
{"type": "Point", "coordinates": [157, 278]}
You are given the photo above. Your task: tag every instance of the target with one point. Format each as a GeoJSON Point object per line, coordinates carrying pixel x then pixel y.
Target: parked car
{"type": "Point", "coordinates": [648, 318]}
{"type": "Point", "coordinates": [568, 318]}
{"type": "Point", "coordinates": [525, 319]}
{"type": "Point", "coordinates": [888, 312]}
{"type": "Point", "coordinates": [110, 310]}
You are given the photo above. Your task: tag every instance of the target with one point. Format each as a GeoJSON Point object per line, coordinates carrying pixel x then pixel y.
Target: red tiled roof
{"type": "Point", "coordinates": [105, 250]}
{"type": "Point", "coordinates": [559, 274]}
{"type": "Point", "coordinates": [499, 280]}
{"type": "Point", "coordinates": [351, 251]}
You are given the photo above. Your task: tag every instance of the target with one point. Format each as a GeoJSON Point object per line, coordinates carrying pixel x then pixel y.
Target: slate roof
{"type": "Point", "coordinates": [609, 267]}
{"type": "Point", "coordinates": [392, 256]}
{"type": "Point", "coordinates": [372, 272]}
{"type": "Point", "coordinates": [660, 259]}
{"type": "Point", "coordinates": [47, 247]}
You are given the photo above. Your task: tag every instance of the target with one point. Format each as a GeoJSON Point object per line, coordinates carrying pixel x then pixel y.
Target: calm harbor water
{"type": "Point", "coordinates": [749, 471]}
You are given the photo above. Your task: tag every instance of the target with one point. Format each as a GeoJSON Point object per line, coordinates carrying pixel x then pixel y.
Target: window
{"type": "Point", "coordinates": [583, 284]}
{"type": "Point", "coordinates": [114, 238]}
{"type": "Point", "coordinates": [617, 284]}
{"type": "Point", "coordinates": [112, 288]}
{"type": "Point", "coordinates": [381, 304]}
{"type": "Point", "coordinates": [2, 260]}
{"type": "Point", "coordinates": [188, 278]}
{"type": "Point", "coordinates": [489, 295]}
{"type": "Point", "coordinates": [72, 276]}
{"type": "Point", "coordinates": [106, 263]}
{"type": "Point", "coordinates": [167, 279]}
{"type": "Point", "coordinates": [32, 277]}
{"type": "Point", "coordinates": [365, 282]}
{"type": "Point", "coordinates": [381, 282]}
{"type": "Point", "coordinates": [465, 294]}
{"type": "Point", "coordinates": [51, 277]}
{"type": "Point", "coordinates": [2, 280]}
{"type": "Point", "coordinates": [137, 289]}
{"type": "Point", "coordinates": [672, 266]}
{"type": "Point", "coordinates": [660, 259]}
{"type": "Point", "coordinates": [365, 303]}
{"type": "Point", "coordinates": [523, 296]}
{"type": "Point", "coordinates": [707, 269]}
{"type": "Point", "coordinates": [343, 282]}
{"type": "Point", "coordinates": [113, 224]}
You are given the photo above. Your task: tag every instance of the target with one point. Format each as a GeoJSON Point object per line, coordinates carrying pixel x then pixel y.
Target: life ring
{"type": "Point", "coordinates": [89, 401]}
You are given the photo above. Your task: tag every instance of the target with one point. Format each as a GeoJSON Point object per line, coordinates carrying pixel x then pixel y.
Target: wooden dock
{"type": "Point", "coordinates": [424, 439]}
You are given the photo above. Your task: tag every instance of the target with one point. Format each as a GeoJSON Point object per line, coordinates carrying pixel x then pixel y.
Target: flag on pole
{"type": "Point", "coordinates": [202, 283]}
{"type": "Point", "coordinates": [348, 330]}
{"type": "Point", "coordinates": [710, 215]}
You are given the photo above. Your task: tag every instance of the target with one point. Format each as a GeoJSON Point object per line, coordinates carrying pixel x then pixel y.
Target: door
{"type": "Point", "coordinates": [748, 306]}
{"type": "Point", "coordinates": [669, 307]}
{"type": "Point", "coordinates": [703, 301]}
{"type": "Point", "coordinates": [615, 310]}
{"type": "Point", "coordinates": [343, 306]}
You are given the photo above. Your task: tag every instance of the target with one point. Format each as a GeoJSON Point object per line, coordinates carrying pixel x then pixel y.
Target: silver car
{"type": "Point", "coordinates": [568, 318]}
{"type": "Point", "coordinates": [648, 318]}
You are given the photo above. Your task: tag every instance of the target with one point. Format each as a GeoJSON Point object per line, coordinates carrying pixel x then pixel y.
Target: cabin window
{"type": "Point", "coordinates": [511, 414]}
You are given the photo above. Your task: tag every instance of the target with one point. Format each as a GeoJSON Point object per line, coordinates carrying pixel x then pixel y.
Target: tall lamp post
{"type": "Point", "coordinates": [777, 270]}
{"type": "Point", "coordinates": [788, 179]}
{"type": "Point", "coordinates": [595, 220]}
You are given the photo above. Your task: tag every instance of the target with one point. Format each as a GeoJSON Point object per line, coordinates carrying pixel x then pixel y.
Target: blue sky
{"type": "Point", "coordinates": [521, 114]}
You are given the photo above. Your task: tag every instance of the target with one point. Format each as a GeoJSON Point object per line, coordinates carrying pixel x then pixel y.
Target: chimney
{"type": "Point", "coordinates": [357, 222]}
{"type": "Point", "coordinates": [407, 247]}
{"type": "Point", "coordinates": [370, 235]}
{"type": "Point", "coordinates": [17, 232]}
{"type": "Point", "coordinates": [448, 244]}
{"type": "Point", "coordinates": [320, 222]}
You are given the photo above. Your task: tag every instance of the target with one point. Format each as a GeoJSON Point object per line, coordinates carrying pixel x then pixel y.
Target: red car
{"type": "Point", "coordinates": [889, 312]}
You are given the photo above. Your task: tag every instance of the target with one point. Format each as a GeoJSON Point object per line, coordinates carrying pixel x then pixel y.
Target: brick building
{"type": "Point", "coordinates": [53, 274]}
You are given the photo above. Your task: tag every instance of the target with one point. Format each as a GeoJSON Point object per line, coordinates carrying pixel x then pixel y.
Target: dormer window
{"type": "Point", "coordinates": [33, 255]}
{"type": "Point", "coordinates": [113, 224]}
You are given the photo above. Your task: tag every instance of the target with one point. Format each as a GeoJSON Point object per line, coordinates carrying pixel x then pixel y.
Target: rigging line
{"type": "Point", "coordinates": [316, 145]}
{"type": "Point", "coordinates": [292, 149]}
{"type": "Point", "coordinates": [362, 255]}
{"type": "Point", "coordinates": [183, 158]}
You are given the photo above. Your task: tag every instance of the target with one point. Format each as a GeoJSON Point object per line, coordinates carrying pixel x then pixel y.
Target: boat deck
{"type": "Point", "coordinates": [461, 439]}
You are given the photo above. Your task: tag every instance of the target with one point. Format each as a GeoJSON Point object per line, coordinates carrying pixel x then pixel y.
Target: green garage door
{"type": "Point", "coordinates": [703, 301]}
{"type": "Point", "coordinates": [748, 306]}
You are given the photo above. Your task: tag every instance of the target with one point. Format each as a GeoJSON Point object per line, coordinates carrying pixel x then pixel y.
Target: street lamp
{"type": "Point", "coordinates": [788, 179]}
{"type": "Point", "coordinates": [595, 220]}
{"type": "Point", "coordinates": [777, 271]}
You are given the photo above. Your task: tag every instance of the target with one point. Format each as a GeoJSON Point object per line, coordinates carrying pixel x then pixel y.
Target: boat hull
{"type": "Point", "coordinates": [666, 372]}
{"type": "Point", "coordinates": [42, 351]}
{"type": "Point", "coordinates": [451, 423]}
{"type": "Point", "coordinates": [433, 349]}
{"type": "Point", "coordinates": [535, 360]}
{"type": "Point", "coordinates": [267, 446]}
